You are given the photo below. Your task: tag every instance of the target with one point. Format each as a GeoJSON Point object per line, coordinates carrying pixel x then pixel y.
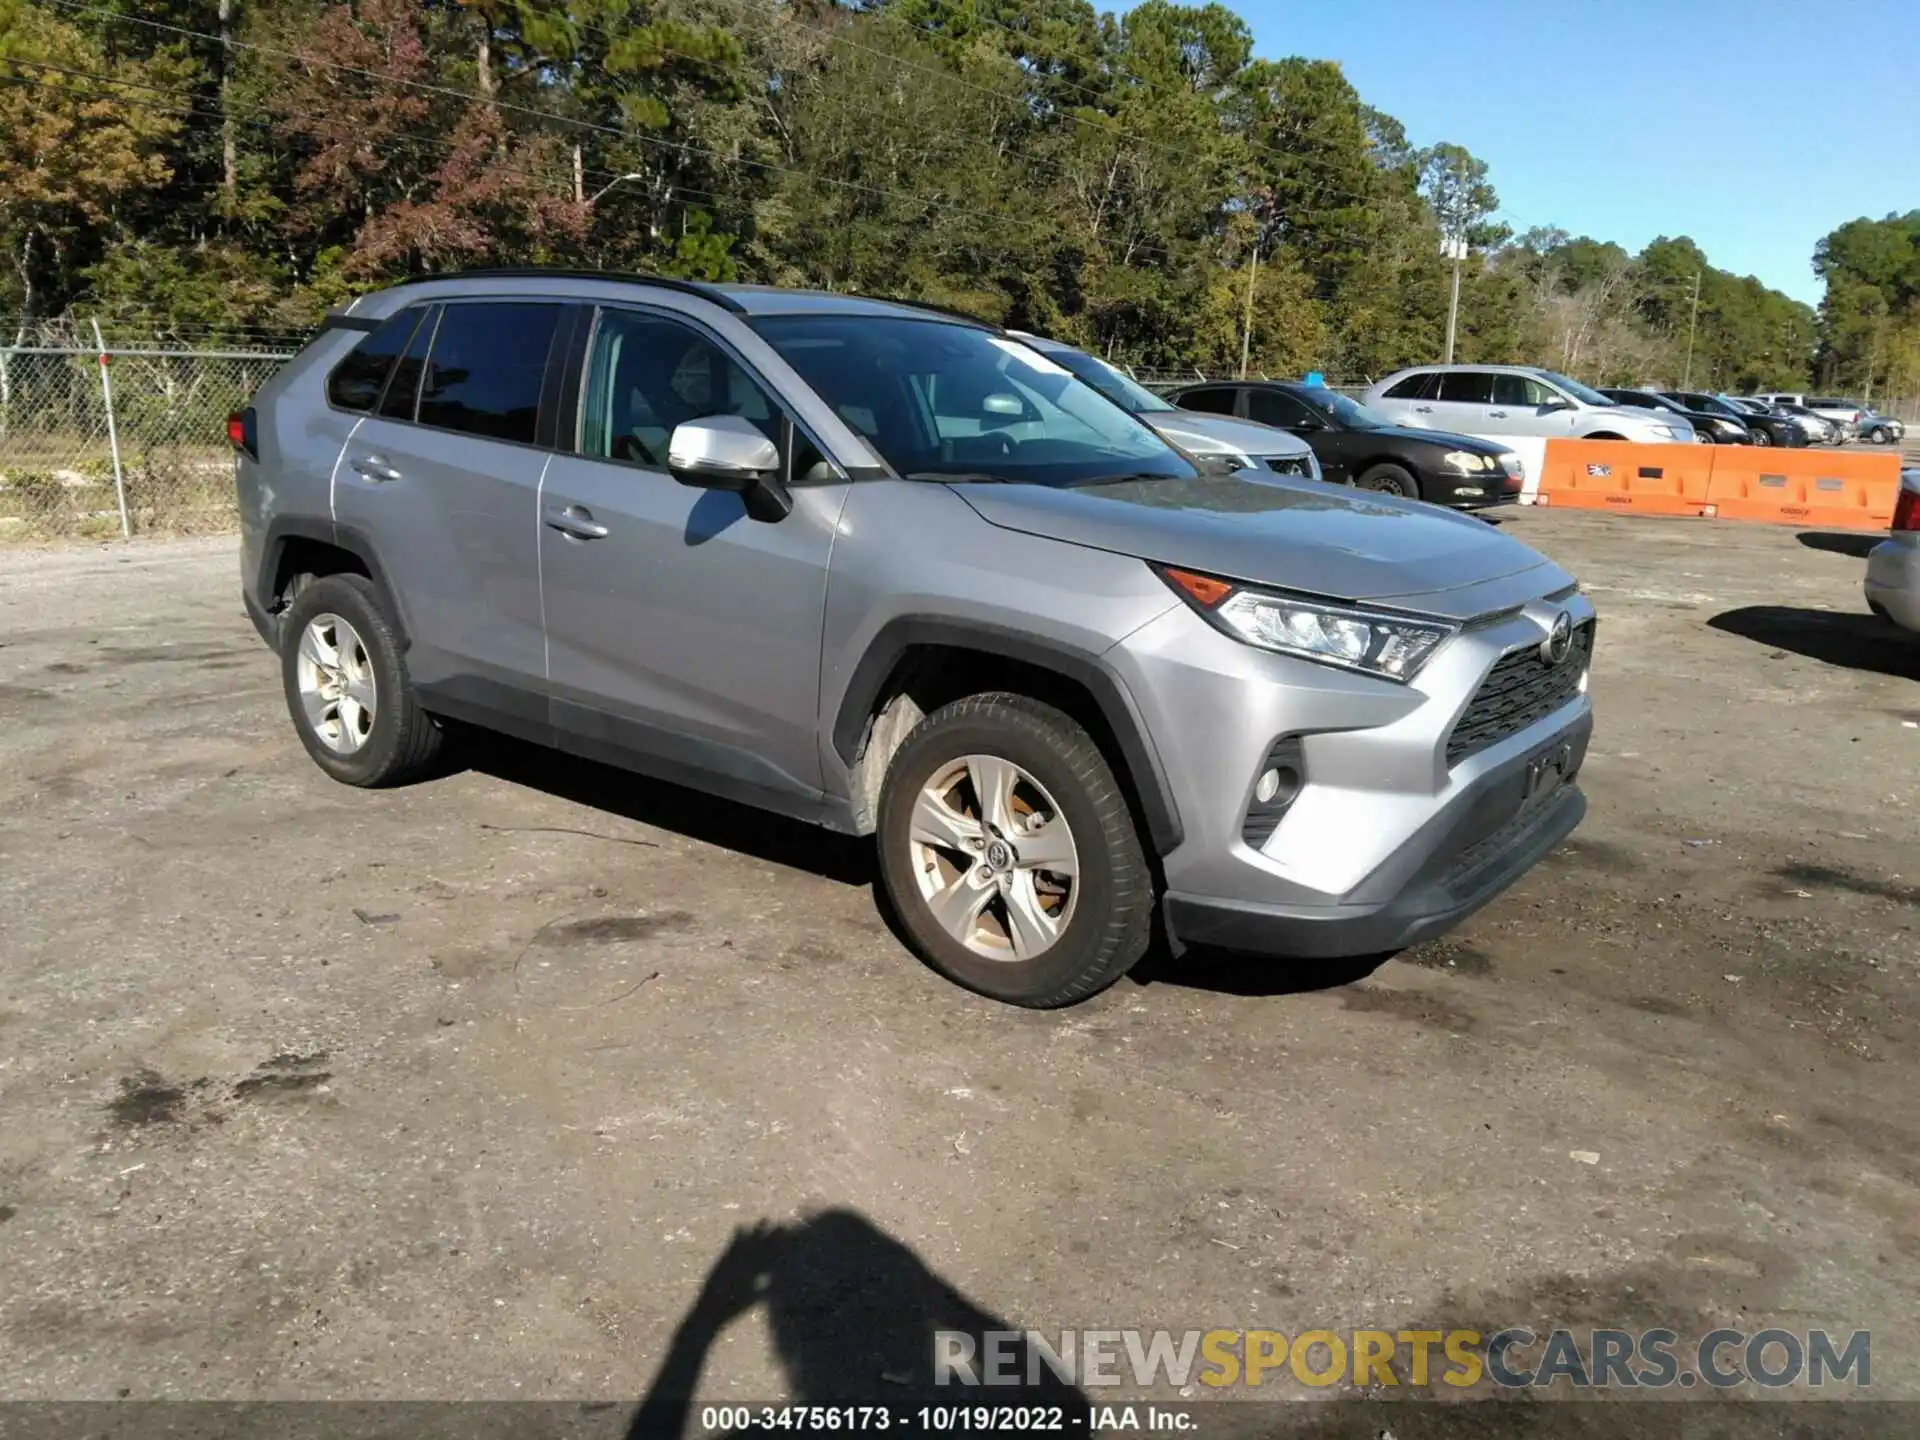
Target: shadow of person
{"type": "Point", "coordinates": [853, 1314]}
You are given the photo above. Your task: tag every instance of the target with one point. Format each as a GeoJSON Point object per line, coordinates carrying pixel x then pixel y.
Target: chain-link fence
{"type": "Point", "coordinates": [106, 439]}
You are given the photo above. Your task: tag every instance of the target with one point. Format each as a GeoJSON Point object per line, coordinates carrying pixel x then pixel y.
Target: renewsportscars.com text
{"type": "Point", "coordinates": [1515, 1358]}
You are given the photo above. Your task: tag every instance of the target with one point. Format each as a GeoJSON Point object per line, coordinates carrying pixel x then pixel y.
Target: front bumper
{"type": "Point", "coordinates": [1471, 492]}
{"type": "Point", "coordinates": [1893, 581]}
{"type": "Point", "coordinates": [1466, 871]}
{"type": "Point", "coordinates": [1388, 840]}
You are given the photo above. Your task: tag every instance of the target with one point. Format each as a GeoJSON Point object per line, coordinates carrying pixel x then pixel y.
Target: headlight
{"type": "Point", "coordinates": [1512, 464]}
{"type": "Point", "coordinates": [1465, 462]}
{"type": "Point", "coordinates": [1393, 647]}
{"type": "Point", "coordinates": [1667, 430]}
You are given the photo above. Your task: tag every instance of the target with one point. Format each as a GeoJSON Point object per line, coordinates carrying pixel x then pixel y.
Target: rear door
{"type": "Point", "coordinates": [443, 478]}
{"type": "Point", "coordinates": [1288, 412]}
{"type": "Point", "coordinates": [1464, 403]}
{"type": "Point", "coordinates": [684, 637]}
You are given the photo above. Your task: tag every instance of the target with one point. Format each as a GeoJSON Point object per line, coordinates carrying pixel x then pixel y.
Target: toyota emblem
{"type": "Point", "coordinates": [1559, 642]}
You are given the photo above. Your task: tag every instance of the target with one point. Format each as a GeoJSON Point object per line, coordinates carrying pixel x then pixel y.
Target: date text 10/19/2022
{"type": "Point", "coordinates": [947, 1419]}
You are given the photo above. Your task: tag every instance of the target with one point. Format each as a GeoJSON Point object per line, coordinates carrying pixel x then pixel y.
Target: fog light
{"type": "Point", "coordinates": [1583, 680]}
{"type": "Point", "coordinates": [1275, 787]}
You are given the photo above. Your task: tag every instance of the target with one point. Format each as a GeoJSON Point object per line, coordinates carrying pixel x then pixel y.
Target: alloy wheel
{"type": "Point", "coordinates": [994, 858]}
{"type": "Point", "coordinates": [335, 678]}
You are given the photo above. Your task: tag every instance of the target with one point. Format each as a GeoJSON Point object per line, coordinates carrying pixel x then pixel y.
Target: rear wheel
{"type": "Point", "coordinates": [1009, 853]}
{"type": "Point", "coordinates": [1391, 480]}
{"type": "Point", "coordinates": [346, 687]}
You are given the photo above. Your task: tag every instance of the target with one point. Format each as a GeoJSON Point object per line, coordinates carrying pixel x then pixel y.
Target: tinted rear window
{"type": "Point", "coordinates": [1468, 387]}
{"type": "Point", "coordinates": [1217, 401]}
{"type": "Point", "coordinates": [356, 382]}
{"type": "Point", "coordinates": [403, 389]}
{"type": "Point", "coordinates": [1414, 387]}
{"type": "Point", "coordinates": [484, 375]}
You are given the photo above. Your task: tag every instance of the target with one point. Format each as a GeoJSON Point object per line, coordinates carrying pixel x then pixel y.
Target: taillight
{"type": "Point", "coordinates": [1906, 510]}
{"type": "Point", "coordinates": [240, 432]}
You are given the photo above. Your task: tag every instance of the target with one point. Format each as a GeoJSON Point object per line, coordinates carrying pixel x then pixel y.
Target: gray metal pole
{"type": "Point", "coordinates": [113, 433]}
{"type": "Point", "coordinates": [1246, 328]}
{"type": "Point", "coordinates": [1453, 308]}
{"type": "Point", "coordinates": [1693, 321]}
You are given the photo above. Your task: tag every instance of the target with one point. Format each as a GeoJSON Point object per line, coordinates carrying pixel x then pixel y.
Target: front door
{"type": "Point", "coordinates": [683, 637]}
{"type": "Point", "coordinates": [444, 476]}
{"type": "Point", "coordinates": [1523, 405]}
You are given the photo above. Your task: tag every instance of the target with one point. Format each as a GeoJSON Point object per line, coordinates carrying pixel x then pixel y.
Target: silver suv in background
{"type": "Point", "coordinates": [894, 573]}
{"type": "Point", "coordinates": [1244, 443]}
{"type": "Point", "coordinates": [1515, 400]}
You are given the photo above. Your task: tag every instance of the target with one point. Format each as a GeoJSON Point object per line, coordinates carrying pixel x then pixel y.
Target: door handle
{"type": "Point", "coordinates": [1496, 414]}
{"type": "Point", "coordinates": [375, 467]}
{"type": "Point", "coordinates": [577, 521]}
{"type": "Point", "coordinates": [1423, 409]}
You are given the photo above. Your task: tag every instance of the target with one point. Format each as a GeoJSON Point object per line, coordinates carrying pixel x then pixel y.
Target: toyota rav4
{"type": "Point", "coordinates": [891, 571]}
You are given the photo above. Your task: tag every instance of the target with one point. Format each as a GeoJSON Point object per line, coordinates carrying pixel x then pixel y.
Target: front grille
{"type": "Point", "coordinates": [1519, 690]}
{"type": "Point", "coordinates": [1300, 465]}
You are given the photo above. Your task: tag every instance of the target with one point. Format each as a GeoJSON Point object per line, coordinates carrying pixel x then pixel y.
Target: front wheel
{"type": "Point", "coordinates": [1881, 435]}
{"type": "Point", "coordinates": [1391, 480]}
{"type": "Point", "coordinates": [1760, 436]}
{"type": "Point", "coordinates": [1010, 856]}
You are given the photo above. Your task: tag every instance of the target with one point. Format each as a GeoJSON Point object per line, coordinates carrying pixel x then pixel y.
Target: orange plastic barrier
{"type": "Point", "coordinates": [1623, 475]}
{"type": "Point", "coordinates": [1790, 487]}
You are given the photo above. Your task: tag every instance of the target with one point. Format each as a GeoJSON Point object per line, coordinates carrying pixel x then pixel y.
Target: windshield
{"type": "Point", "coordinates": [940, 399]}
{"type": "Point", "coordinates": [1574, 388]}
{"type": "Point", "coordinates": [1348, 411]}
{"type": "Point", "coordinates": [1118, 386]}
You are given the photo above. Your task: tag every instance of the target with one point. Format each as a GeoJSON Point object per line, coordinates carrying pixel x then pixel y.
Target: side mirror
{"type": "Point", "coordinates": [728, 452]}
{"type": "Point", "coordinates": [721, 452]}
{"type": "Point", "coordinates": [1558, 402]}
{"type": "Point", "coordinates": [1305, 425]}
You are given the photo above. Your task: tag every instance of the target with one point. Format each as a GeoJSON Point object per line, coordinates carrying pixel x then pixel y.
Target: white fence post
{"type": "Point", "coordinates": [113, 434]}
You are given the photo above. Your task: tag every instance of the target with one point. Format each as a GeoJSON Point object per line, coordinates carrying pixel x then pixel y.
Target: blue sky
{"type": "Point", "coordinates": [1755, 128]}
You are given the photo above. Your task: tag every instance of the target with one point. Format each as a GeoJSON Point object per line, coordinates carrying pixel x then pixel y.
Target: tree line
{"type": "Point", "coordinates": [1140, 184]}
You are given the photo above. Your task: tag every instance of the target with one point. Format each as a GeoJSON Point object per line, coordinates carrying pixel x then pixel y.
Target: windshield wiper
{"type": "Point", "coordinates": [962, 477]}
{"type": "Point", "coordinates": [1135, 475]}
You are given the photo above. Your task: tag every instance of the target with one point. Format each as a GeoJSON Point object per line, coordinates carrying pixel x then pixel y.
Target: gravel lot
{"type": "Point", "coordinates": [462, 1090]}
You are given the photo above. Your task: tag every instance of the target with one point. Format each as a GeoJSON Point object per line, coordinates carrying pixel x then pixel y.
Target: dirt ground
{"type": "Point", "coordinates": [462, 1090]}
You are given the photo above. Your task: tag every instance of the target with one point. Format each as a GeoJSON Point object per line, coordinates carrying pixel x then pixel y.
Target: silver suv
{"type": "Point", "coordinates": [1516, 400]}
{"type": "Point", "coordinates": [895, 573]}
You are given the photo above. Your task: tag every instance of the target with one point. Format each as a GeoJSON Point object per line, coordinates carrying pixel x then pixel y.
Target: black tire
{"type": "Point", "coordinates": [403, 742]}
{"type": "Point", "coordinates": [1880, 435]}
{"type": "Point", "coordinates": [1601, 435]}
{"type": "Point", "coordinates": [1391, 480]}
{"type": "Point", "coordinates": [1111, 923]}
{"type": "Point", "coordinates": [1760, 435]}
{"type": "Point", "coordinates": [1706, 437]}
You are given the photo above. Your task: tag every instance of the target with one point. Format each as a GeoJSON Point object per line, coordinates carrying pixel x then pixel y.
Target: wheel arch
{"type": "Point", "coordinates": [924, 662]}
{"type": "Point", "coordinates": [296, 546]}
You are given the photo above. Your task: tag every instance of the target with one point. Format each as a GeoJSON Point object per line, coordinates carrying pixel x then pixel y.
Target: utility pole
{"type": "Point", "coordinates": [1246, 325]}
{"type": "Point", "coordinates": [1693, 319]}
{"type": "Point", "coordinates": [1455, 247]}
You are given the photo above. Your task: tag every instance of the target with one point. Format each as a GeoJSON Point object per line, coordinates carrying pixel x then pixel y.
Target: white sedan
{"type": "Point", "coordinates": [1893, 566]}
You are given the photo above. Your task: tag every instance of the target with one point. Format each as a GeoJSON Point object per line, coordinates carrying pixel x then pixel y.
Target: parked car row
{"type": "Point", "coordinates": [904, 575]}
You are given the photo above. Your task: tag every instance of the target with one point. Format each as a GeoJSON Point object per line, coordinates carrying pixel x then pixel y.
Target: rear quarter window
{"type": "Point", "coordinates": [1215, 401]}
{"type": "Point", "coordinates": [356, 382]}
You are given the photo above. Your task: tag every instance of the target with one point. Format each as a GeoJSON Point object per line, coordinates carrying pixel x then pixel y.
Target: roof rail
{"type": "Point", "coordinates": [949, 311]}
{"type": "Point", "coordinates": [625, 277]}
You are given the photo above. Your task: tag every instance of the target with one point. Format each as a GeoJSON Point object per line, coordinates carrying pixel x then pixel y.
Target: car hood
{"type": "Point", "coordinates": [1451, 440]}
{"type": "Point", "coordinates": [1292, 534]}
{"type": "Point", "coordinates": [1221, 435]}
{"type": "Point", "coordinates": [1633, 414]}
